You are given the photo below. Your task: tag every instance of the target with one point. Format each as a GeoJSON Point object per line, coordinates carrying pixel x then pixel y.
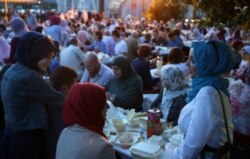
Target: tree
{"type": "Point", "coordinates": [165, 10]}
{"type": "Point", "coordinates": [229, 12]}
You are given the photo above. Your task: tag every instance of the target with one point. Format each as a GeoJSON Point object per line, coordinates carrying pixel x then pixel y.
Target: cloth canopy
{"type": "Point", "coordinates": [19, 1]}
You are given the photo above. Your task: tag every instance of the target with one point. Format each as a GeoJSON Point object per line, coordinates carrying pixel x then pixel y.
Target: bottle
{"type": "Point", "coordinates": [154, 126]}
{"type": "Point", "coordinates": [159, 64]}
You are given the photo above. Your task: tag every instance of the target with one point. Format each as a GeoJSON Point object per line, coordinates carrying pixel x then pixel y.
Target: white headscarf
{"type": "Point", "coordinates": [167, 100]}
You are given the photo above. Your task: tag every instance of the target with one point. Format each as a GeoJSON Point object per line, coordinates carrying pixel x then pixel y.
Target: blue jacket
{"type": "Point", "coordinates": [25, 94]}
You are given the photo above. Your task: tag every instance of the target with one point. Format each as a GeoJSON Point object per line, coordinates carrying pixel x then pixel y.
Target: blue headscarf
{"type": "Point", "coordinates": [212, 59]}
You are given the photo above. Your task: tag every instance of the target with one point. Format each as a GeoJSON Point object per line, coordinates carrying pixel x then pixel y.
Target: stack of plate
{"type": "Point", "coordinates": [145, 150]}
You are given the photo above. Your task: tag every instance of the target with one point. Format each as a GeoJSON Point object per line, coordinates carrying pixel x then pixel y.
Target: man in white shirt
{"type": "Point", "coordinates": [121, 47]}
{"type": "Point", "coordinates": [72, 56]}
{"type": "Point", "coordinates": [96, 72]}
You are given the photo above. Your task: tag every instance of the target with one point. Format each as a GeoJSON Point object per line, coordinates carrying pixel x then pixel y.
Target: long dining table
{"type": "Point", "coordinates": [140, 129]}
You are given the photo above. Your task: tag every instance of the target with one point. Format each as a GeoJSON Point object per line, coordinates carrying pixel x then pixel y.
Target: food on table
{"type": "Point", "coordinates": [112, 133]}
{"type": "Point", "coordinates": [126, 138]}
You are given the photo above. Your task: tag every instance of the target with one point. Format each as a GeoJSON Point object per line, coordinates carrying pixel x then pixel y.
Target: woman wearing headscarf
{"type": "Point", "coordinates": [84, 117]}
{"type": "Point", "coordinates": [201, 120]}
{"type": "Point", "coordinates": [25, 96]}
{"type": "Point", "coordinates": [125, 89]}
{"type": "Point", "coordinates": [172, 97]}
{"type": "Point", "coordinates": [196, 35]}
{"type": "Point", "coordinates": [240, 102]}
{"type": "Point", "coordinates": [19, 28]}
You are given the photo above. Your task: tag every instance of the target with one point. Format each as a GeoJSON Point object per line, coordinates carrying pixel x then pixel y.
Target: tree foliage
{"type": "Point", "coordinates": [163, 10]}
{"type": "Point", "coordinates": [229, 12]}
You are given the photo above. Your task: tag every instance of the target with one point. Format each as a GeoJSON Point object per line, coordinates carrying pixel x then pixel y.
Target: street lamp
{"type": "Point", "coordinates": [5, 8]}
{"type": "Point", "coordinates": [40, 7]}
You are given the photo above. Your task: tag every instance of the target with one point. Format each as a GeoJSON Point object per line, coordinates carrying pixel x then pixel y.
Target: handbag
{"type": "Point", "coordinates": [228, 150]}
{"type": "Point", "coordinates": [224, 151]}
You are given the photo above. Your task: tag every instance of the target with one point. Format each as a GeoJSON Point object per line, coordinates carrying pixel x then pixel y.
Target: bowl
{"type": "Point", "coordinates": [133, 123]}
{"type": "Point", "coordinates": [119, 124]}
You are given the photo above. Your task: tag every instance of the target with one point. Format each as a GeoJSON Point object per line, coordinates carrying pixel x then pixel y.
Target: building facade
{"type": "Point", "coordinates": [111, 8]}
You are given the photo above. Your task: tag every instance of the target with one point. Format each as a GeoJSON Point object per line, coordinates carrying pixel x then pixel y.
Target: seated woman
{"type": "Point", "coordinates": [84, 117]}
{"type": "Point", "coordinates": [141, 66]}
{"type": "Point", "coordinates": [176, 59]}
{"type": "Point", "coordinates": [172, 97]}
{"type": "Point", "coordinates": [243, 72]}
{"type": "Point", "coordinates": [125, 89]}
{"type": "Point", "coordinates": [240, 101]}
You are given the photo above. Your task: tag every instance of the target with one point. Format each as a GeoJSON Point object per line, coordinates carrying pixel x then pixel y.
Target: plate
{"type": "Point", "coordinates": [126, 139]}
{"type": "Point", "coordinates": [145, 150]}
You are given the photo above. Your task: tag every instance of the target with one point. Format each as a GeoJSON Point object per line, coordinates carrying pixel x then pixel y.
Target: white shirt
{"type": "Point", "coordinates": [202, 122]}
{"type": "Point", "coordinates": [121, 47]}
{"type": "Point", "coordinates": [72, 56]}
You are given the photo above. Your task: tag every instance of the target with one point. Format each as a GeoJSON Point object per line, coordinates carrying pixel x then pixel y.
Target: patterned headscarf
{"type": "Point", "coordinates": [84, 105]}
{"type": "Point", "coordinates": [175, 79]}
{"type": "Point", "coordinates": [212, 59]}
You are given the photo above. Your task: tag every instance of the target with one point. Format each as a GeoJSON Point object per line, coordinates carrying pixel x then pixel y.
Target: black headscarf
{"type": "Point", "coordinates": [32, 48]}
{"type": "Point", "coordinates": [123, 63]}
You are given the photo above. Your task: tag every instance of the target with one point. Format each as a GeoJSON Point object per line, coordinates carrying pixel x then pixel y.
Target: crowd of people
{"type": "Point", "coordinates": [57, 74]}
